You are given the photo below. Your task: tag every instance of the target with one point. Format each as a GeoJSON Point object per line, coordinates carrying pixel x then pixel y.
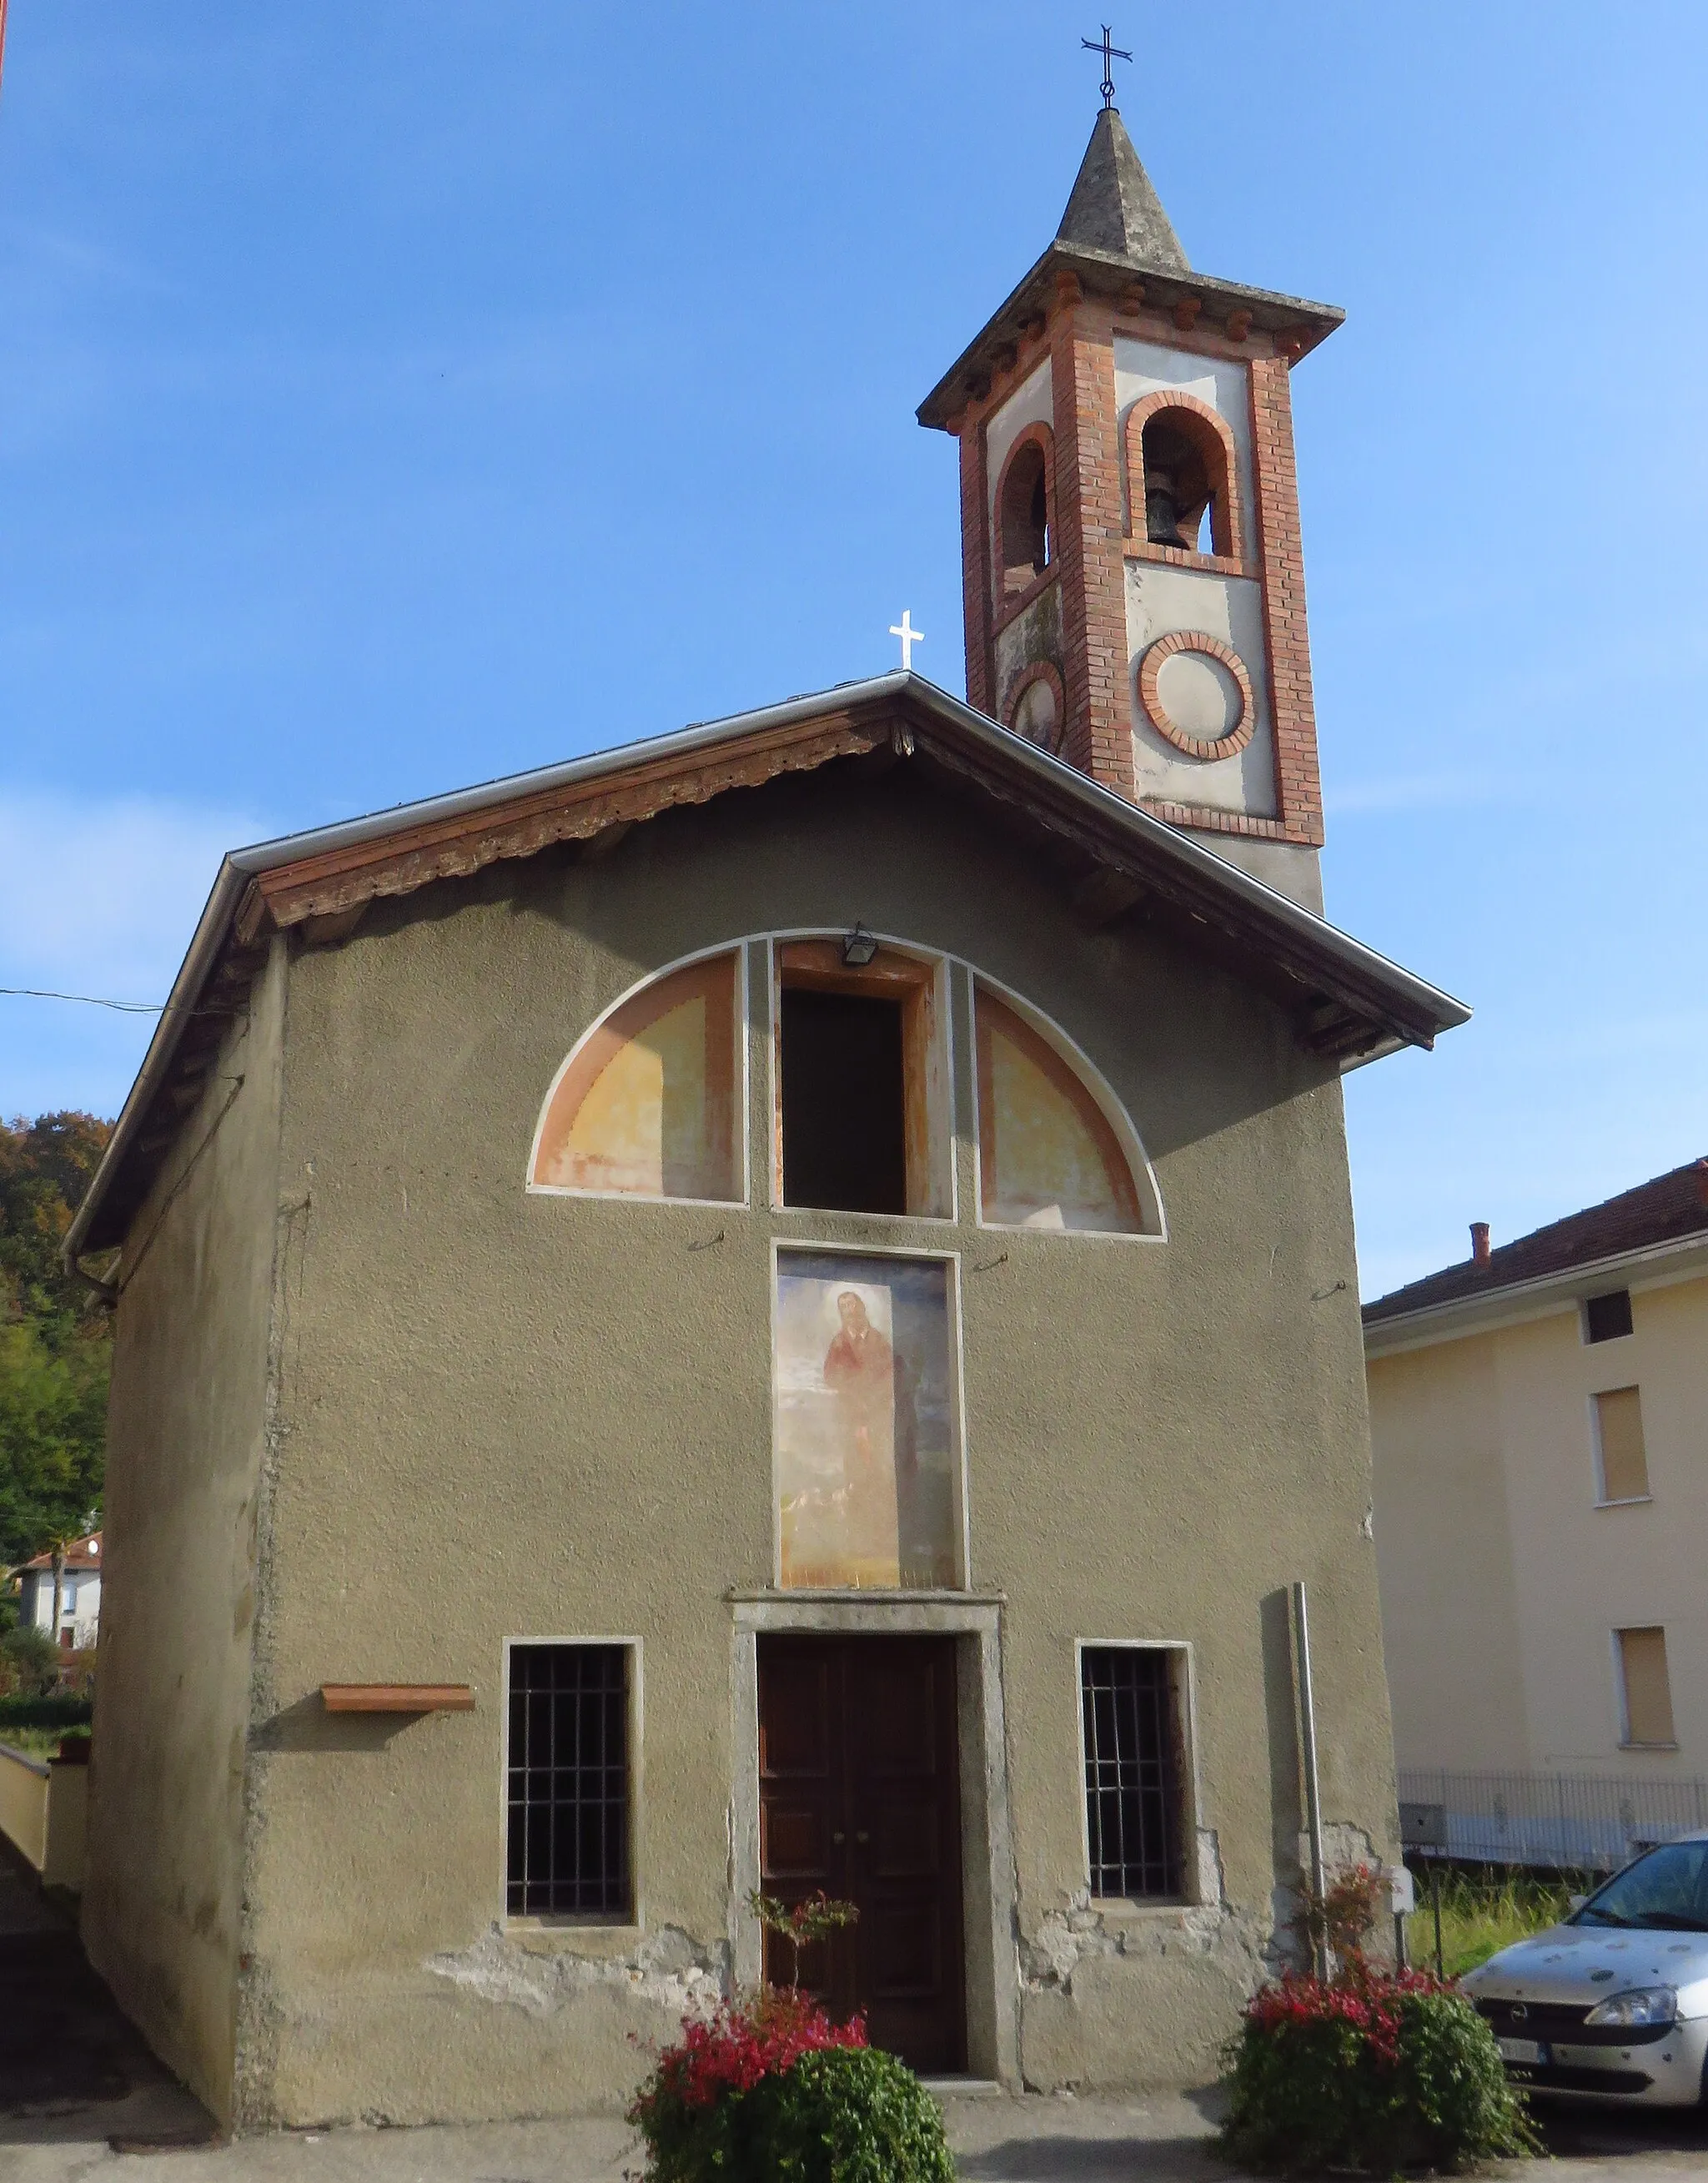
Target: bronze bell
{"type": "Point", "coordinates": [1162, 516]}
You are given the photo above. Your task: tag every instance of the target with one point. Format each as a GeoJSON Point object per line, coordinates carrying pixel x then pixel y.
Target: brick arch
{"type": "Point", "coordinates": [1040, 670]}
{"type": "Point", "coordinates": [1213, 436]}
{"type": "Point", "coordinates": [1034, 435]}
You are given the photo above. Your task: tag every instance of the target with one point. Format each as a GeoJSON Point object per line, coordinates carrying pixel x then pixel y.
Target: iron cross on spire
{"type": "Point", "coordinates": [1111, 53]}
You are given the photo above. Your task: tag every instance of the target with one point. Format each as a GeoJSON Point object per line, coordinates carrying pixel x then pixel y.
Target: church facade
{"type": "Point", "coordinates": [775, 1309]}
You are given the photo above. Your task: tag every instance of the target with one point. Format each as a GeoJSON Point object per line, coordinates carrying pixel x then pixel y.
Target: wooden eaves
{"type": "Point", "coordinates": [1349, 1004]}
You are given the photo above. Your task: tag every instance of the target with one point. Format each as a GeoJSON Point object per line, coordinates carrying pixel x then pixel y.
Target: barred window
{"type": "Point", "coordinates": [1133, 1770]}
{"type": "Point", "coordinates": [568, 1780]}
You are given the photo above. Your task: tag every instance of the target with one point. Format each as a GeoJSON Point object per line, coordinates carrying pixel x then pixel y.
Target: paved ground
{"type": "Point", "coordinates": [83, 2101]}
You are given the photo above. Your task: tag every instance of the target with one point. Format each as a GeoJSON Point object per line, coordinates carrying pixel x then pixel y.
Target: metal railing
{"type": "Point", "coordinates": [1582, 1822]}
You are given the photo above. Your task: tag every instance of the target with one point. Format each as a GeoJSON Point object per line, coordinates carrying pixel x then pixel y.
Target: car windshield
{"type": "Point", "coordinates": [1665, 1890]}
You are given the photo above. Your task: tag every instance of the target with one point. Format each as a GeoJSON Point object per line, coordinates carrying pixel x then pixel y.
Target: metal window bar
{"type": "Point", "coordinates": [1132, 1771]}
{"type": "Point", "coordinates": [1564, 1822]}
{"type": "Point", "coordinates": [568, 1780]}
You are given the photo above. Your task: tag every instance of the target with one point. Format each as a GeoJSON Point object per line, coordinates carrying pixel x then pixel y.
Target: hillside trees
{"type": "Point", "coordinates": [55, 1341]}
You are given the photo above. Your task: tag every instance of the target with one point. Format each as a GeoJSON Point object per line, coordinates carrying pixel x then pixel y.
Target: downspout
{"type": "Point", "coordinates": [1313, 1797]}
{"type": "Point", "coordinates": [107, 1291]}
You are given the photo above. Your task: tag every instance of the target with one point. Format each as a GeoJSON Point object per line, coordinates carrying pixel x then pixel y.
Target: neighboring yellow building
{"type": "Point", "coordinates": [1541, 1501]}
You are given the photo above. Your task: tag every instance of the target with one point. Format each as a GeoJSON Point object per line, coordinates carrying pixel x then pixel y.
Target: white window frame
{"type": "Point", "coordinates": [1621, 1699]}
{"type": "Point", "coordinates": [590, 1921]}
{"type": "Point", "coordinates": [1603, 1500]}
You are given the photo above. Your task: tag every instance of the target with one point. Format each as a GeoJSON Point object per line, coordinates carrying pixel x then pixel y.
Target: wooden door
{"type": "Point", "coordinates": [859, 1794]}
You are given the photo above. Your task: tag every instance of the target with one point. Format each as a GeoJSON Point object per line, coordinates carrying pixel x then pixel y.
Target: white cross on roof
{"type": "Point", "coordinates": [909, 636]}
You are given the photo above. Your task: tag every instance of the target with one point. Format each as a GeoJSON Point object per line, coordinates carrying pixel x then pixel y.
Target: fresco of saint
{"type": "Point", "coordinates": [865, 1431]}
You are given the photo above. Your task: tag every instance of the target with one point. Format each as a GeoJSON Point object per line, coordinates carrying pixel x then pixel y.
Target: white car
{"type": "Point", "coordinates": [1613, 2004]}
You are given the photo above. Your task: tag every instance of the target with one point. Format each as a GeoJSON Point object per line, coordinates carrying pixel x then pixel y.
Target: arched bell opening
{"type": "Point", "coordinates": [1025, 521]}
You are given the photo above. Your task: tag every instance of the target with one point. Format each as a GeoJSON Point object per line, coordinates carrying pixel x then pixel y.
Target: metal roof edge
{"type": "Point", "coordinates": [241, 865]}
{"type": "Point", "coordinates": [205, 943]}
{"type": "Point", "coordinates": [1514, 1302]}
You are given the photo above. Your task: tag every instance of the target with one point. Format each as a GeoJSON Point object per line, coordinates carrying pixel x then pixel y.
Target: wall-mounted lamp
{"type": "Point", "coordinates": [858, 947]}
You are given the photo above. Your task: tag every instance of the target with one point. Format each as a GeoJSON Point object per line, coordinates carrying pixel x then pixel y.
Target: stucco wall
{"type": "Point", "coordinates": [1443, 1552]}
{"type": "Point", "coordinates": [185, 1436]}
{"type": "Point", "coordinates": [1502, 1581]}
{"type": "Point", "coordinates": [503, 1415]}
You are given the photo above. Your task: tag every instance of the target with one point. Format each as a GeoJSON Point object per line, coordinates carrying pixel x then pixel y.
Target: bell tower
{"type": "Point", "coordinates": [1132, 582]}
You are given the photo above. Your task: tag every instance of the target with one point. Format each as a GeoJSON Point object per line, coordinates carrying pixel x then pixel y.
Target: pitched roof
{"type": "Point", "coordinates": [1672, 1208]}
{"type": "Point", "coordinates": [1113, 230]}
{"type": "Point", "coordinates": [1350, 1003]}
{"type": "Point", "coordinates": [1113, 206]}
{"type": "Point", "coordinates": [81, 1554]}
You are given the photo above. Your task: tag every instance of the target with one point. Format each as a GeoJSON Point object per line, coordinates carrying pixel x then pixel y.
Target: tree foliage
{"type": "Point", "coordinates": [55, 1339]}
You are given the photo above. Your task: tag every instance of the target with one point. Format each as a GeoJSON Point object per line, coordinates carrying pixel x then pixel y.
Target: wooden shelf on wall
{"type": "Point", "coordinates": [397, 1697]}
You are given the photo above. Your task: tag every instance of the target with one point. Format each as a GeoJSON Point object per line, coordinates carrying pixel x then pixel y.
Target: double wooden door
{"type": "Point", "coordinates": [859, 1795]}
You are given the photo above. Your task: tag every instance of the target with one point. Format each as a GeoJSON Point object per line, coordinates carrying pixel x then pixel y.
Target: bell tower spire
{"type": "Point", "coordinates": [1133, 580]}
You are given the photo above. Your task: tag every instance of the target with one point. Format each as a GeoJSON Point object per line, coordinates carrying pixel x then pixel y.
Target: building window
{"type": "Point", "coordinates": [1619, 1450]}
{"type": "Point", "coordinates": [863, 1081]}
{"type": "Point", "coordinates": [1645, 1691]}
{"type": "Point", "coordinates": [1606, 1318]}
{"type": "Point", "coordinates": [1134, 1767]}
{"type": "Point", "coordinates": [567, 1767]}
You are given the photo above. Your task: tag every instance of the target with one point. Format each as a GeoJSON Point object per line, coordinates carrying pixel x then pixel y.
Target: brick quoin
{"type": "Point", "coordinates": [1281, 560]}
{"type": "Point", "coordinates": [975, 568]}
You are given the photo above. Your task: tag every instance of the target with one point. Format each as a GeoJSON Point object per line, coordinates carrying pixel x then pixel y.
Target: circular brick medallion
{"type": "Point", "coordinates": [1244, 724]}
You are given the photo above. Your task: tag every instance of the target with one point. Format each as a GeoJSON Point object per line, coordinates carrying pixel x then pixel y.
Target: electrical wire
{"type": "Point", "coordinates": [124, 1007]}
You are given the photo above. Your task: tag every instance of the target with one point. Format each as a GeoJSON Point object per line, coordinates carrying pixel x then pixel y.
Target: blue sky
{"type": "Point", "coordinates": [395, 395]}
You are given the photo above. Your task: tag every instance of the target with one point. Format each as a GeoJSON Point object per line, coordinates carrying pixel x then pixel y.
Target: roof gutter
{"type": "Point", "coordinates": [1514, 1300]}
{"type": "Point", "coordinates": [1172, 846]}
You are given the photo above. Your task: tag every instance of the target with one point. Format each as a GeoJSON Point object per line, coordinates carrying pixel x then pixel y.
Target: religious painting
{"type": "Point", "coordinates": [1048, 1154]}
{"type": "Point", "coordinates": [646, 1104]}
{"type": "Point", "coordinates": [868, 1437]}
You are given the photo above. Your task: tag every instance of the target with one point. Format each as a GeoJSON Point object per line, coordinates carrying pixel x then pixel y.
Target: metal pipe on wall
{"type": "Point", "coordinates": [1313, 1799]}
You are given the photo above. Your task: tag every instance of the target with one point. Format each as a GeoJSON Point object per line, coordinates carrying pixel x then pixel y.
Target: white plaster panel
{"type": "Point", "coordinates": [1161, 598]}
{"type": "Point", "coordinates": [1032, 635]}
{"type": "Point", "coordinates": [1142, 367]}
{"type": "Point", "coordinates": [1032, 403]}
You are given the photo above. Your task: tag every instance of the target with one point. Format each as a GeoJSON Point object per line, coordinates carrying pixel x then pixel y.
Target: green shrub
{"type": "Point", "coordinates": [31, 1660]}
{"type": "Point", "coordinates": [851, 2114]}
{"type": "Point", "coordinates": [770, 2088]}
{"type": "Point", "coordinates": [45, 1713]}
{"type": "Point", "coordinates": [1373, 2072]}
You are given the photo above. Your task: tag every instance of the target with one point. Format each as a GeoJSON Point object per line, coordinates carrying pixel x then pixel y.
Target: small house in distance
{"type": "Point", "coordinates": [1540, 1419]}
{"type": "Point", "coordinates": [77, 1623]}
{"type": "Point", "coordinates": [775, 1308]}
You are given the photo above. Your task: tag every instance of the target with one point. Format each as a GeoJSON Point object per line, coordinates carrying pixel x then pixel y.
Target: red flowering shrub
{"type": "Point", "coordinates": [1366, 2000]}
{"type": "Point", "coordinates": [1373, 2069]}
{"type": "Point", "coordinates": [772, 2087]}
{"type": "Point", "coordinates": [732, 2051]}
